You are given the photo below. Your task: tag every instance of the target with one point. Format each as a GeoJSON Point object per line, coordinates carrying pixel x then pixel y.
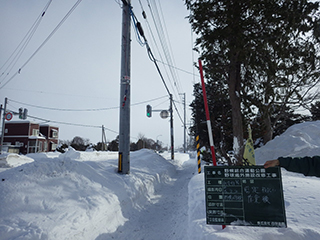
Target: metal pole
{"type": "Point", "coordinates": [184, 124]}
{"type": "Point", "coordinates": [124, 124]}
{"type": "Point", "coordinates": [214, 162]}
{"type": "Point", "coordinates": [105, 140]}
{"type": "Point", "coordinates": [207, 114]}
{"type": "Point", "coordinates": [102, 141]}
{"type": "Point", "coordinates": [171, 128]}
{"type": "Point", "coordinates": [3, 122]}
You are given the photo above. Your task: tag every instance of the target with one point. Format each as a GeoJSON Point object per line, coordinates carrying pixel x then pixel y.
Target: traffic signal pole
{"type": "Point", "coordinates": [171, 127]}
{"type": "Point", "coordinates": [3, 123]}
{"type": "Point", "coordinates": [124, 124]}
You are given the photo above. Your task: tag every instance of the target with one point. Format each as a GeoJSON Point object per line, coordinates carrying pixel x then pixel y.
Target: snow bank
{"type": "Point", "coordinates": [301, 194]}
{"type": "Point", "coordinates": [180, 160]}
{"type": "Point", "coordinates": [59, 198]}
{"type": "Point", "coordinates": [297, 141]}
{"type": "Point", "coordinates": [90, 155]}
{"type": "Point", "coordinates": [302, 209]}
{"type": "Point", "coordinates": [13, 160]}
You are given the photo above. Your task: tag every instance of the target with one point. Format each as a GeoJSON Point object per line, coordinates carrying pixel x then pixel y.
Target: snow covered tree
{"type": "Point", "coordinates": [80, 143]}
{"type": "Point", "coordinates": [264, 51]}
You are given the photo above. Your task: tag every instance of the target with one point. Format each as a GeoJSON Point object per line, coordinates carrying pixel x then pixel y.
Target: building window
{"type": "Point", "coordinates": [53, 146]}
{"type": "Point", "coordinates": [40, 147]}
{"type": "Point", "coordinates": [54, 133]}
{"type": "Point", "coordinates": [35, 132]}
{"type": "Point", "coordinates": [33, 146]}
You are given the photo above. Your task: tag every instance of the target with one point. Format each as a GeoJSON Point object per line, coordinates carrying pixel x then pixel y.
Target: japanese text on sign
{"type": "Point", "coordinates": [247, 195]}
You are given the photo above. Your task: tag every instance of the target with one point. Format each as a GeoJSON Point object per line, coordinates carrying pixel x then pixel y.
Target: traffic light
{"type": "Point", "coordinates": [21, 113]}
{"type": "Point", "coordinates": [149, 111]}
{"type": "Point", "coordinates": [25, 113]}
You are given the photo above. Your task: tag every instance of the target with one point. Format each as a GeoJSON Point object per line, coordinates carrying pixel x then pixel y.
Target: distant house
{"type": "Point", "coordinates": [29, 137]}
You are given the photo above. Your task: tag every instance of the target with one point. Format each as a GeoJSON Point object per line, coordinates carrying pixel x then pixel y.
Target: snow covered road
{"type": "Point", "coordinates": [164, 217]}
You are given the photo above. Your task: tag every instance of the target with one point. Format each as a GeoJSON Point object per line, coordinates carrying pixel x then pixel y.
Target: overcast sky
{"type": "Point", "coordinates": [79, 66]}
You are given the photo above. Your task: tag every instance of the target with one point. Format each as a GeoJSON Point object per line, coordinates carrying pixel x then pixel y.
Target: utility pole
{"type": "Point", "coordinates": [104, 140]}
{"type": "Point", "coordinates": [124, 125]}
{"type": "Point", "coordinates": [3, 122]}
{"type": "Point", "coordinates": [184, 122]}
{"type": "Point", "coordinates": [171, 127]}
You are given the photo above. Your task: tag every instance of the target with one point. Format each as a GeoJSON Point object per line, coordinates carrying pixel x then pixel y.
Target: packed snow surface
{"type": "Point", "coordinates": [80, 195]}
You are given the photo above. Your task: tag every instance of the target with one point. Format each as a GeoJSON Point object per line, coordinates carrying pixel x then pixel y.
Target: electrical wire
{"type": "Point", "coordinates": [162, 38]}
{"type": "Point", "coordinates": [65, 123]}
{"type": "Point", "coordinates": [16, 54]}
{"type": "Point", "coordinates": [44, 42]}
{"type": "Point", "coordinates": [170, 52]}
{"type": "Point", "coordinates": [118, 2]}
{"type": "Point", "coordinates": [152, 58]}
{"type": "Point", "coordinates": [83, 110]}
{"type": "Point", "coordinates": [180, 69]}
{"type": "Point", "coordinates": [161, 35]}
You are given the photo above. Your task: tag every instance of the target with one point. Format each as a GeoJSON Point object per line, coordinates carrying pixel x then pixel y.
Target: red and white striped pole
{"type": "Point", "coordinates": [208, 118]}
{"type": "Point", "coordinates": [207, 114]}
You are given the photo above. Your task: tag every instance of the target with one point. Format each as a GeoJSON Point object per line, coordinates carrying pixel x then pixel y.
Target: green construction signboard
{"type": "Point", "coordinates": [245, 196]}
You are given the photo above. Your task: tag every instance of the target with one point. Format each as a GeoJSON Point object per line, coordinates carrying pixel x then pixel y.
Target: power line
{"type": "Point", "coordinates": [170, 52]}
{"type": "Point", "coordinates": [150, 54]}
{"type": "Point", "coordinates": [16, 54]}
{"type": "Point", "coordinates": [160, 26]}
{"type": "Point", "coordinates": [67, 123]}
{"type": "Point", "coordinates": [84, 110]}
{"type": "Point", "coordinates": [152, 58]}
{"type": "Point", "coordinates": [44, 42]}
{"type": "Point", "coordinates": [180, 69]}
{"type": "Point", "coordinates": [118, 2]}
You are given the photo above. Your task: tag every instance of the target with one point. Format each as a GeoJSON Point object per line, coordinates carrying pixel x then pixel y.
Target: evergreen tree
{"type": "Point", "coordinates": [315, 111]}
{"type": "Point", "coordinates": [114, 144]}
{"type": "Point", "coordinates": [220, 116]}
{"type": "Point", "coordinates": [258, 49]}
{"type": "Point", "coordinates": [80, 144]}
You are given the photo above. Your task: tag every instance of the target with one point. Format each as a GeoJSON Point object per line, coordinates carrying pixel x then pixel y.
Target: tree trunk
{"type": "Point", "coordinates": [235, 100]}
{"type": "Point", "coordinates": [268, 133]}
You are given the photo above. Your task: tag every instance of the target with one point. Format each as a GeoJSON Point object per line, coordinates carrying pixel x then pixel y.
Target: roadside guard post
{"type": "Point", "coordinates": [198, 154]}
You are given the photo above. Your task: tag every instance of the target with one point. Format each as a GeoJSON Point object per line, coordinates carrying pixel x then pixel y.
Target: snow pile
{"type": "Point", "coordinates": [80, 195]}
{"type": "Point", "coordinates": [302, 206]}
{"type": "Point", "coordinates": [180, 160]}
{"type": "Point", "coordinates": [59, 198]}
{"type": "Point", "coordinates": [13, 160]}
{"type": "Point", "coordinates": [301, 193]}
{"type": "Point", "coordinates": [89, 155]}
{"type": "Point", "coordinates": [298, 141]}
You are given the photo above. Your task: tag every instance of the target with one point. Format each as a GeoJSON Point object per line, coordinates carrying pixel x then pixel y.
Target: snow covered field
{"type": "Point", "coordinates": [80, 195]}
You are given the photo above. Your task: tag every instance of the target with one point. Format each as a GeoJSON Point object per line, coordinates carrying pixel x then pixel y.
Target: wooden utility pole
{"type": "Point", "coordinates": [124, 125]}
